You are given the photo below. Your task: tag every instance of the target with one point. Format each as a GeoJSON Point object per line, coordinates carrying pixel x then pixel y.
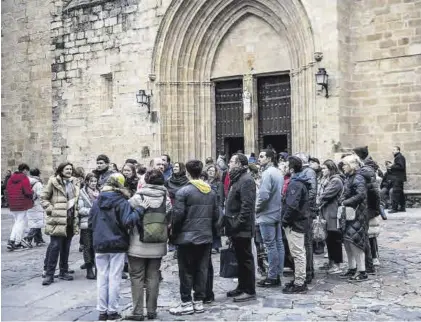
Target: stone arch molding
{"type": "Point", "coordinates": [183, 56]}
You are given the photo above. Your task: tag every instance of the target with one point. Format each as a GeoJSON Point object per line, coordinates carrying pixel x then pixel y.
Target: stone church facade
{"type": "Point", "coordinates": [221, 74]}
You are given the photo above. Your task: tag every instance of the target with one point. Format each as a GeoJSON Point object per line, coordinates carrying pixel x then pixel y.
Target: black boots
{"type": "Point", "coordinates": [90, 273]}
{"type": "Point", "coordinates": [48, 280]}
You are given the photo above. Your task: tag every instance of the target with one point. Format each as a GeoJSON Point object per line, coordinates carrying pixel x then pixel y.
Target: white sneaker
{"type": "Point", "coordinates": [376, 262]}
{"type": "Point", "coordinates": [335, 269]}
{"type": "Point", "coordinates": [326, 255]}
{"type": "Point", "coordinates": [198, 307]}
{"type": "Point", "coordinates": [183, 309]}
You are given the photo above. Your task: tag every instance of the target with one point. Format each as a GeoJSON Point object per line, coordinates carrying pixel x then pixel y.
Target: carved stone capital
{"type": "Point", "coordinates": [318, 56]}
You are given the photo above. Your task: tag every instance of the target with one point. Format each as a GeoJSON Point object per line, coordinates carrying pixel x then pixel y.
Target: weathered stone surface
{"type": "Point", "coordinates": [371, 52]}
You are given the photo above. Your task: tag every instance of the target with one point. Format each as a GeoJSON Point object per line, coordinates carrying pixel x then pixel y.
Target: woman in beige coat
{"type": "Point", "coordinates": [60, 199]}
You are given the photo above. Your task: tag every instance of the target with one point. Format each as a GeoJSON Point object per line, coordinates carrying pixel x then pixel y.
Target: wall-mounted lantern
{"type": "Point", "coordinates": [144, 99]}
{"type": "Point", "coordinates": [322, 78]}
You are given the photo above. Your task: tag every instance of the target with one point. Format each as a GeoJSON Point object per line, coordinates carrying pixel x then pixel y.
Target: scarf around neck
{"type": "Point", "coordinates": [236, 173]}
{"type": "Point", "coordinates": [92, 193]}
{"type": "Point", "coordinates": [178, 180]}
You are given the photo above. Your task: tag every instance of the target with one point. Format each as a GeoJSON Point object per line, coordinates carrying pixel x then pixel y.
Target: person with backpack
{"type": "Point", "coordinates": [36, 213]}
{"type": "Point", "coordinates": [148, 244]}
{"type": "Point", "coordinates": [20, 196]}
{"type": "Point", "coordinates": [109, 219]}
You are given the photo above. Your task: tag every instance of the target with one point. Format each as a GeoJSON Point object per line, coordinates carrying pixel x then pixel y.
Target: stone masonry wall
{"type": "Point", "coordinates": [26, 85]}
{"type": "Point", "coordinates": [102, 57]}
{"type": "Point", "coordinates": [385, 87]}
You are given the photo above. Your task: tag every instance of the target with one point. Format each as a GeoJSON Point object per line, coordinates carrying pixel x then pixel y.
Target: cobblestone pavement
{"type": "Point", "coordinates": [393, 294]}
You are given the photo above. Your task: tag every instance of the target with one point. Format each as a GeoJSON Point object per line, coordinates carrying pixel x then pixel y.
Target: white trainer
{"type": "Point", "coordinates": [183, 309]}
{"type": "Point", "coordinates": [198, 307]}
{"type": "Point", "coordinates": [376, 262]}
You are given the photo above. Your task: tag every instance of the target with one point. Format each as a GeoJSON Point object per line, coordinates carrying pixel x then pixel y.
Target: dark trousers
{"type": "Point", "coordinates": [308, 244]}
{"type": "Point", "coordinates": [193, 262]}
{"type": "Point", "coordinates": [334, 246]}
{"type": "Point", "coordinates": [367, 250]}
{"type": "Point", "coordinates": [289, 260]}
{"type": "Point", "coordinates": [209, 295]}
{"type": "Point", "coordinates": [59, 246]}
{"type": "Point", "coordinates": [374, 247]}
{"type": "Point", "coordinates": [88, 247]}
{"type": "Point", "coordinates": [35, 234]}
{"type": "Point", "coordinates": [398, 197]}
{"type": "Point", "coordinates": [245, 260]}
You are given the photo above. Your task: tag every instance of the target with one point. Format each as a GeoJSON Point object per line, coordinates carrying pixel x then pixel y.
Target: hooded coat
{"type": "Point", "coordinates": [36, 213]}
{"type": "Point", "coordinates": [329, 201]}
{"type": "Point", "coordinates": [19, 192]}
{"type": "Point", "coordinates": [195, 214]}
{"type": "Point", "coordinates": [156, 196]}
{"type": "Point", "coordinates": [109, 220]}
{"type": "Point", "coordinates": [295, 212]}
{"type": "Point", "coordinates": [55, 203]}
{"type": "Point", "coordinates": [309, 175]}
{"type": "Point", "coordinates": [355, 196]}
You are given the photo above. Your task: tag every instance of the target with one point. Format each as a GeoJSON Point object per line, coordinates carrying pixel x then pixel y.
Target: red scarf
{"type": "Point", "coordinates": [227, 182]}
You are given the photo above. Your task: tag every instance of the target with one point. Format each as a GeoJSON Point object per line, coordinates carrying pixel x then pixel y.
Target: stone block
{"type": "Point", "coordinates": [387, 43]}
{"type": "Point", "coordinates": [84, 49]}
{"type": "Point", "coordinates": [98, 24]}
{"type": "Point", "coordinates": [80, 42]}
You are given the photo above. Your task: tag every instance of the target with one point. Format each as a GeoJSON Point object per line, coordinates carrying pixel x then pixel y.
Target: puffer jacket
{"type": "Point", "coordinates": [54, 201]}
{"type": "Point", "coordinates": [36, 213]}
{"type": "Point", "coordinates": [85, 205]}
{"type": "Point", "coordinates": [355, 196]}
{"type": "Point", "coordinates": [329, 201]}
{"type": "Point", "coordinates": [373, 191]}
{"type": "Point", "coordinates": [195, 216]}
{"type": "Point", "coordinates": [239, 218]}
{"type": "Point", "coordinates": [19, 192]}
{"type": "Point", "coordinates": [156, 196]}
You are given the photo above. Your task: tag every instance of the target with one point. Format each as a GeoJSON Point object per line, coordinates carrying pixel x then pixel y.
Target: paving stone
{"type": "Point", "coordinates": [393, 295]}
{"type": "Point", "coordinates": [277, 303]}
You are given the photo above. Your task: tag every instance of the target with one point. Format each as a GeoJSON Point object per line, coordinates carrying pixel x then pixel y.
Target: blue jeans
{"type": "Point", "coordinates": [272, 238]}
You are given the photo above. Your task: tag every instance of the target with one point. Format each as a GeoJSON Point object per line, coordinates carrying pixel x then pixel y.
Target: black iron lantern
{"type": "Point", "coordinates": [322, 78]}
{"type": "Point", "coordinates": [144, 99]}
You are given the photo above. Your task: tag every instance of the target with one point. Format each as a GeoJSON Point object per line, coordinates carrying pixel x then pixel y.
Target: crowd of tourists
{"type": "Point", "coordinates": [276, 210]}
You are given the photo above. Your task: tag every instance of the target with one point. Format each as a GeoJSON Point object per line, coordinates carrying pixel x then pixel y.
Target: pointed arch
{"type": "Point", "coordinates": [184, 51]}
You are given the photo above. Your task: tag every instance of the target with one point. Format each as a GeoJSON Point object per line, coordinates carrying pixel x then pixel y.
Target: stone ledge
{"type": "Point", "coordinates": [80, 4]}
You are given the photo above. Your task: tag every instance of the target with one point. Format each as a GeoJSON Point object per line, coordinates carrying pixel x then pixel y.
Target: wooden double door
{"type": "Point", "coordinates": [274, 114]}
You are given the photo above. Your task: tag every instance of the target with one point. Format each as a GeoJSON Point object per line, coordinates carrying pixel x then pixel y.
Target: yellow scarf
{"type": "Point", "coordinates": [201, 185]}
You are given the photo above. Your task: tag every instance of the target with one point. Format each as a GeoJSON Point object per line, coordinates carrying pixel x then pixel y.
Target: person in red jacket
{"type": "Point", "coordinates": [20, 194]}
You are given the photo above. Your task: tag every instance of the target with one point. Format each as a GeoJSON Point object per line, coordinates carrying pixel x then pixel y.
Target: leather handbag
{"type": "Point", "coordinates": [229, 264]}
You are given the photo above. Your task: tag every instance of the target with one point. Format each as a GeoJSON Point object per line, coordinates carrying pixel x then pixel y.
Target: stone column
{"type": "Point", "coordinates": [250, 114]}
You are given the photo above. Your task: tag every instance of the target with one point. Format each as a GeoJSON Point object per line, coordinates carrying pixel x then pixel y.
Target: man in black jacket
{"type": "Point", "coordinates": [194, 219]}
{"type": "Point", "coordinates": [398, 177]}
{"type": "Point", "coordinates": [295, 220]}
{"type": "Point", "coordinates": [239, 222]}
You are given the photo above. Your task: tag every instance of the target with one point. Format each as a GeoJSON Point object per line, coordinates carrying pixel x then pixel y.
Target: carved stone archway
{"type": "Point", "coordinates": [184, 51]}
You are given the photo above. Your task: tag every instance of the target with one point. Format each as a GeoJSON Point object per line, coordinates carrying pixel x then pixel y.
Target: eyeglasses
{"type": "Point", "coordinates": [261, 156]}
